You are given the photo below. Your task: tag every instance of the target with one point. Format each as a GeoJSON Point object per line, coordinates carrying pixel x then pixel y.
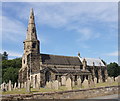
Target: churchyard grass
{"type": "Point", "coordinates": [62, 88]}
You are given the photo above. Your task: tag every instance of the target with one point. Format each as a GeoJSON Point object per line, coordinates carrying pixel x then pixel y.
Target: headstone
{"type": "Point", "coordinates": [95, 80]}
{"type": "Point", "coordinates": [79, 82]}
{"type": "Point", "coordinates": [37, 85]}
{"type": "Point", "coordinates": [92, 84]}
{"type": "Point", "coordinates": [18, 85]}
{"type": "Point", "coordinates": [85, 83]}
{"type": "Point", "coordinates": [22, 86]}
{"type": "Point", "coordinates": [63, 80]}
{"type": "Point", "coordinates": [55, 85]}
{"type": "Point", "coordinates": [109, 80]}
{"type": "Point", "coordinates": [28, 86]}
{"type": "Point", "coordinates": [4, 86]}
{"type": "Point", "coordinates": [25, 84]}
{"type": "Point", "coordinates": [9, 86]}
{"type": "Point", "coordinates": [15, 86]}
{"type": "Point", "coordinates": [49, 84]}
{"type": "Point", "coordinates": [69, 84]}
{"type": "Point", "coordinates": [117, 79]}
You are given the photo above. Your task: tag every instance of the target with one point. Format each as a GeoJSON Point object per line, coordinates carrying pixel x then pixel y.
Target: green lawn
{"type": "Point", "coordinates": [62, 88]}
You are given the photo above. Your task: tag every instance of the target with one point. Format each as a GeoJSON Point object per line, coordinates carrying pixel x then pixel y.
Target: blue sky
{"type": "Point", "coordinates": [90, 28]}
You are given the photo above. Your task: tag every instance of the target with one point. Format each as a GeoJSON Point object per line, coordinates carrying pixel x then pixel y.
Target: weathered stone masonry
{"type": "Point", "coordinates": [41, 68]}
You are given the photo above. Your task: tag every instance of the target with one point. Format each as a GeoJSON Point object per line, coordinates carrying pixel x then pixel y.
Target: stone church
{"type": "Point", "coordinates": [41, 68]}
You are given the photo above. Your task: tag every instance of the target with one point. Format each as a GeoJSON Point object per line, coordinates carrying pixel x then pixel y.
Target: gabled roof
{"type": "Point", "coordinates": [57, 70]}
{"type": "Point", "coordinates": [60, 60]}
{"type": "Point", "coordinates": [97, 62]}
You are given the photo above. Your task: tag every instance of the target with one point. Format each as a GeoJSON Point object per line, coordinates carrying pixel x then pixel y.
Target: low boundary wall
{"type": "Point", "coordinates": [72, 94]}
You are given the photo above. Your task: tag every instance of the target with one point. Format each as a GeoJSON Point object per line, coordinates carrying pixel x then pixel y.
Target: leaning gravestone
{"type": "Point", "coordinates": [85, 83]}
{"type": "Point", "coordinates": [9, 86]}
{"type": "Point", "coordinates": [69, 84]}
{"type": "Point", "coordinates": [79, 82]}
{"type": "Point", "coordinates": [63, 80]}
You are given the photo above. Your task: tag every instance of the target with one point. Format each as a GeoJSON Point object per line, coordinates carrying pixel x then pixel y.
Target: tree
{"type": "Point", "coordinates": [10, 74]}
{"type": "Point", "coordinates": [4, 56]}
{"type": "Point", "coordinates": [113, 69]}
{"type": "Point", "coordinates": [10, 69]}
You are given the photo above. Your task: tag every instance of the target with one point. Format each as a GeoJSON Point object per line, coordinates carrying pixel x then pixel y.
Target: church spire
{"type": "Point", "coordinates": [31, 30]}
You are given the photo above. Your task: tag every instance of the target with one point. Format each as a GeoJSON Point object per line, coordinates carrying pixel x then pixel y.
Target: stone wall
{"type": "Point", "coordinates": [72, 94]}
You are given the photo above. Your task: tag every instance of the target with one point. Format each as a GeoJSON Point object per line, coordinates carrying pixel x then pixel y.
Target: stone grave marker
{"type": "Point", "coordinates": [9, 86]}
{"type": "Point", "coordinates": [15, 85]}
{"type": "Point", "coordinates": [69, 84]}
{"type": "Point", "coordinates": [63, 80]}
{"type": "Point", "coordinates": [79, 82]}
{"type": "Point", "coordinates": [85, 83]}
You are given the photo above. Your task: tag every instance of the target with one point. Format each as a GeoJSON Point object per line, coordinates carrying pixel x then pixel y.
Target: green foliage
{"type": "Point", "coordinates": [10, 69]}
{"type": "Point", "coordinates": [113, 69]}
{"type": "Point", "coordinates": [11, 74]}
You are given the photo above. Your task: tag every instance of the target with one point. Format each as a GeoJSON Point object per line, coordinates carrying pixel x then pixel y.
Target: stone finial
{"type": "Point", "coordinates": [79, 54]}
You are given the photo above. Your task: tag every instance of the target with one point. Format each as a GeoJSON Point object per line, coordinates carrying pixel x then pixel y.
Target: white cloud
{"type": "Point", "coordinates": [12, 30]}
{"type": "Point", "coordinates": [115, 53]}
{"type": "Point", "coordinates": [11, 53]}
{"type": "Point", "coordinates": [79, 17]}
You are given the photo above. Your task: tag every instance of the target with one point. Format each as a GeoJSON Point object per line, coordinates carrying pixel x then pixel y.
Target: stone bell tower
{"type": "Point", "coordinates": [31, 56]}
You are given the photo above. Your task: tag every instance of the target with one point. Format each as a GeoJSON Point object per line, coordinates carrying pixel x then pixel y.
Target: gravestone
{"type": "Point", "coordinates": [22, 86]}
{"type": "Point", "coordinates": [37, 85]}
{"type": "Point", "coordinates": [85, 83]}
{"type": "Point", "coordinates": [117, 79]}
{"type": "Point", "coordinates": [109, 80]}
{"type": "Point", "coordinates": [25, 84]}
{"type": "Point", "coordinates": [28, 86]}
{"type": "Point", "coordinates": [69, 84]}
{"type": "Point", "coordinates": [19, 85]}
{"type": "Point", "coordinates": [15, 86]}
{"type": "Point", "coordinates": [63, 80]}
{"type": "Point", "coordinates": [79, 82]}
{"type": "Point", "coordinates": [6, 87]}
{"type": "Point", "coordinates": [9, 86]}
{"type": "Point", "coordinates": [3, 85]}
{"type": "Point", "coordinates": [49, 84]}
{"type": "Point", "coordinates": [95, 80]}
{"type": "Point", "coordinates": [55, 85]}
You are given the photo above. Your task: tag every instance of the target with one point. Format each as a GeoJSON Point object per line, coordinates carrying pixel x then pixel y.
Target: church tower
{"type": "Point", "coordinates": [31, 56]}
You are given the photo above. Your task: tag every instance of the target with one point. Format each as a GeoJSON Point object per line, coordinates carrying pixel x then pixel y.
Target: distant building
{"type": "Point", "coordinates": [41, 68]}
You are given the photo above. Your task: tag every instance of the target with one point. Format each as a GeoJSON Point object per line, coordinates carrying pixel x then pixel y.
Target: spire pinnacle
{"type": "Point", "coordinates": [31, 31]}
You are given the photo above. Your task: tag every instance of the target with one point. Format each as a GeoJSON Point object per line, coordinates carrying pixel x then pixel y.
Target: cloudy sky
{"type": "Point", "coordinates": [63, 28]}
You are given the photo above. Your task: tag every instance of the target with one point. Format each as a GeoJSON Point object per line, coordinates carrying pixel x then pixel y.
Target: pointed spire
{"type": "Point", "coordinates": [31, 31]}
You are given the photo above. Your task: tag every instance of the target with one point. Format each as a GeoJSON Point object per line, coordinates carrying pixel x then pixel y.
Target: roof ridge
{"type": "Point", "coordinates": [59, 55]}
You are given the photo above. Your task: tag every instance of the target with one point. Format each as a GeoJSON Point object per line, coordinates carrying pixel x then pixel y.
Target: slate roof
{"type": "Point", "coordinates": [60, 60]}
{"type": "Point", "coordinates": [56, 70]}
{"type": "Point", "coordinates": [97, 62]}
